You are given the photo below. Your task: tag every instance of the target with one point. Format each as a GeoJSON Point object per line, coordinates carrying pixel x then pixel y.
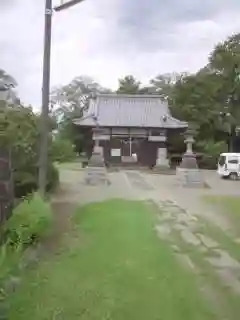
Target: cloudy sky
{"type": "Point", "coordinates": [107, 39]}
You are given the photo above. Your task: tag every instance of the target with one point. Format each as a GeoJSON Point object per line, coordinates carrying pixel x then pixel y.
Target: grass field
{"type": "Point", "coordinates": [112, 266]}
{"type": "Point", "coordinates": [229, 206]}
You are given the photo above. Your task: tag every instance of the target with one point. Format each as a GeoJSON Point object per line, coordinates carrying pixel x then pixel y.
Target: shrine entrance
{"type": "Point", "coordinates": [136, 150]}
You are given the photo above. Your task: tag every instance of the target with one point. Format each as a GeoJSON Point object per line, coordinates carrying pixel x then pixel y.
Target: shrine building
{"type": "Point", "coordinates": [130, 128]}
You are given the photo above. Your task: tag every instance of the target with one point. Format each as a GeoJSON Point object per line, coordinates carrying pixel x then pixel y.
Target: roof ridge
{"type": "Point", "coordinates": [121, 95]}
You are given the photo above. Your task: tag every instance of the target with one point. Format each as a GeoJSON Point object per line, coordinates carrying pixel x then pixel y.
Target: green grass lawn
{"type": "Point", "coordinates": [229, 206]}
{"type": "Point", "coordinates": [112, 267]}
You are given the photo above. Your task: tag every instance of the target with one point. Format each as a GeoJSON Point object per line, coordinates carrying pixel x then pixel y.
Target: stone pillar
{"type": "Point", "coordinates": [162, 159]}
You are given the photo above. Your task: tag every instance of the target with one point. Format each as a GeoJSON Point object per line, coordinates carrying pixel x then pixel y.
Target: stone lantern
{"type": "Point", "coordinates": [188, 173]}
{"type": "Point", "coordinates": [96, 172]}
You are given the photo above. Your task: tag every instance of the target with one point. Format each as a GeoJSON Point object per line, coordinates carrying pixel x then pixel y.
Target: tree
{"type": "Point", "coordinates": [198, 100]}
{"type": "Point", "coordinates": [62, 150]}
{"type": "Point", "coordinates": [225, 60]}
{"type": "Point", "coordinates": [163, 84]}
{"type": "Point", "coordinates": [69, 101]}
{"type": "Point", "coordinates": [8, 79]}
{"type": "Point", "coordinates": [19, 130]}
{"type": "Point", "coordinates": [128, 85]}
{"type": "Point", "coordinates": [226, 55]}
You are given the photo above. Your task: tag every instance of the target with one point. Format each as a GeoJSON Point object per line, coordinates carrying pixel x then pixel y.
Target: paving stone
{"type": "Point", "coordinates": [237, 240]}
{"type": "Point", "coordinates": [163, 230]}
{"type": "Point", "coordinates": [224, 260]}
{"type": "Point", "coordinates": [190, 238]}
{"type": "Point", "coordinates": [166, 216]}
{"type": "Point", "coordinates": [185, 261]}
{"type": "Point", "coordinates": [193, 226]}
{"type": "Point", "coordinates": [229, 279]}
{"type": "Point", "coordinates": [179, 227]}
{"type": "Point", "coordinates": [182, 218]}
{"type": "Point", "coordinates": [174, 209]}
{"type": "Point", "coordinates": [203, 249]}
{"type": "Point", "coordinates": [208, 242]}
{"type": "Point", "coordinates": [175, 248]}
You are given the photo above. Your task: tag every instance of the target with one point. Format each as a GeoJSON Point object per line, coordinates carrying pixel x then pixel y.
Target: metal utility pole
{"type": "Point", "coordinates": [44, 123]}
{"type": "Point", "coordinates": [44, 127]}
{"type": "Point", "coordinates": [65, 4]}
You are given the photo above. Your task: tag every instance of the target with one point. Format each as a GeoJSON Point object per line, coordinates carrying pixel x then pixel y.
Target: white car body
{"type": "Point", "coordinates": [229, 165]}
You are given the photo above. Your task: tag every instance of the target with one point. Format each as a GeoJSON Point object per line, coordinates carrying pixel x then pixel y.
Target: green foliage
{"type": "Point", "coordinates": [226, 54]}
{"type": "Point", "coordinates": [7, 78]}
{"type": "Point", "coordinates": [212, 148]}
{"type": "Point", "coordinates": [128, 85]}
{"type": "Point", "coordinates": [211, 151]}
{"type": "Point", "coordinates": [69, 101]}
{"type": "Point", "coordinates": [52, 177]}
{"type": "Point", "coordinates": [62, 150]}
{"type": "Point", "coordinates": [31, 220]}
{"type": "Point", "coordinates": [19, 129]}
{"type": "Point", "coordinates": [20, 132]}
{"type": "Point", "coordinates": [164, 84]}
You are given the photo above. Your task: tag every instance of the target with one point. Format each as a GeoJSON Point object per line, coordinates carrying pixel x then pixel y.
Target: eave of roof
{"type": "Point", "coordinates": [117, 110]}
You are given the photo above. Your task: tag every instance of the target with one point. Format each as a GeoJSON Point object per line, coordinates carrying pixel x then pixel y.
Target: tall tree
{"type": "Point", "coordinates": [128, 85]}
{"type": "Point", "coordinates": [7, 78]}
{"type": "Point", "coordinates": [198, 99]}
{"type": "Point", "coordinates": [226, 55]}
{"type": "Point", "coordinates": [225, 60]}
{"type": "Point", "coordinates": [69, 101]}
{"type": "Point", "coordinates": [163, 84]}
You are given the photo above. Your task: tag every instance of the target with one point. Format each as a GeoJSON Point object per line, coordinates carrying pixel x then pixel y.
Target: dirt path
{"type": "Point", "coordinates": [73, 192]}
{"type": "Point", "coordinates": [191, 199]}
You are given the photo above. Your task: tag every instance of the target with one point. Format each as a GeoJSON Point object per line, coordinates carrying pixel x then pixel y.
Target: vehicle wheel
{"type": "Point", "coordinates": [233, 176]}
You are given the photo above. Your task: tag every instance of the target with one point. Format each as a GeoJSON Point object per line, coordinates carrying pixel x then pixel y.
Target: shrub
{"type": "Point", "coordinates": [53, 177]}
{"type": "Point", "coordinates": [30, 221]}
{"type": "Point", "coordinates": [211, 151]}
{"type": "Point", "coordinates": [208, 162]}
{"type": "Point", "coordinates": [25, 187]}
{"type": "Point", "coordinates": [62, 150]}
{"type": "Point", "coordinates": [20, 130]}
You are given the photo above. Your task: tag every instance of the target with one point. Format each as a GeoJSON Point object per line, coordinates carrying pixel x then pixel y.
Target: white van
{"type": "Point", "coordinates": [229, 165]}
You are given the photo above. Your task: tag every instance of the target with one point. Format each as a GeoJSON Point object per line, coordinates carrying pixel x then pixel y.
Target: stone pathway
{"type": "Point", "coordinates": [177, 223]}
{"type": "Point", "coordinates": [137, 181]}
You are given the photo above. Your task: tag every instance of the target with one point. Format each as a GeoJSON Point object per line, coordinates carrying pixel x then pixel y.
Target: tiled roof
{"type": "Point", "coordinates": [118, 110]}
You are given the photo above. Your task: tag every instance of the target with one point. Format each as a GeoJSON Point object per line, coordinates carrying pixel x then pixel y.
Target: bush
{"type": "Point", "coordinates": [20, 130]}
{"type": "Point", "coordinates": [30, 221]}
{"type": "Point", "coordinates": [208, 162]}
{"type": "Point", "coordinates": [25, 187]}
{"type": "Point", "coordinates": [53, 177]}
{"type": "Point", "coordinates": [62, 150]}
{"type": "Point", "coordinates": [211, 151]}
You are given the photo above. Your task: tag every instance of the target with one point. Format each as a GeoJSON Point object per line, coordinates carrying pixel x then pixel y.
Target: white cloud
{"type": "Point", "coordinates": [88, 39]}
